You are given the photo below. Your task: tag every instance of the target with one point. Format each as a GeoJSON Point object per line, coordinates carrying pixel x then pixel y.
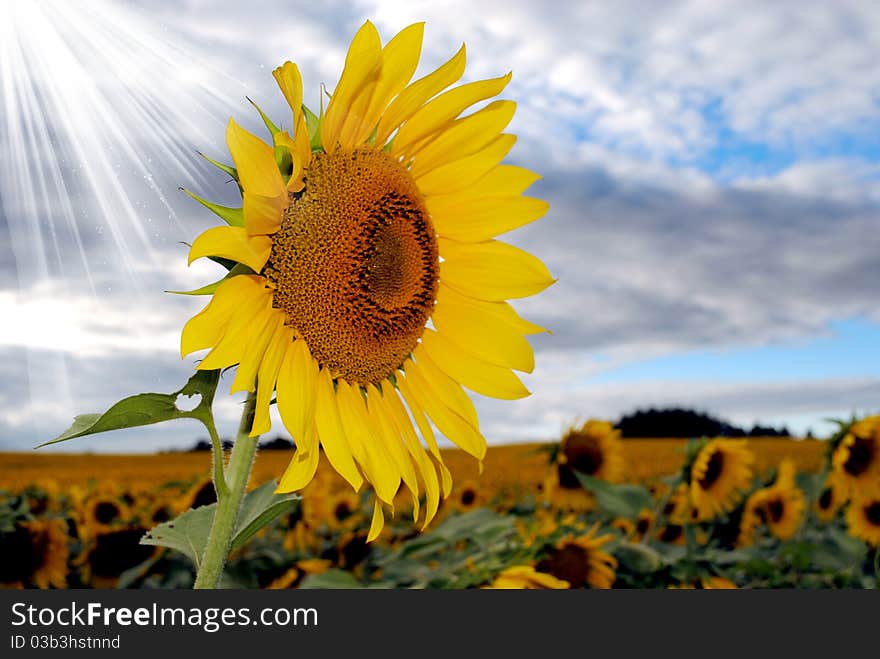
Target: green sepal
{"type": "Point", "coordinates": [219, 165]}
{"type": "Point", "coordinates": [272, 128]}
{"type": "Point", "coordinates": [210, 289]}
{"type": "Point", "coordinates": [146, 409]}
{"type": "Point", "coordinates": [234, 217]}
{"type": "Point", "coordinates": [284, 161]}
{"type": "Point", "coordinates": [229, 264]}
{"type": "Point", "coordinates": [313, 125]}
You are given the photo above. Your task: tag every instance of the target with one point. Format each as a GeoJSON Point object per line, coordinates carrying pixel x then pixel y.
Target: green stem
{"type": "Point", "coordinates": [236, 477]}
{"type": "Point", "coordinates": [217, 457]}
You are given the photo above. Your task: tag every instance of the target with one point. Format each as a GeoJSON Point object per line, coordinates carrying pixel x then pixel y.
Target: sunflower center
{"type": "Point", "coordinates": [861, 453]}
{"type": "Point", "coordinates": [872, 513]}
{"type": "Point", "coordinates": [825, 499]}
{"type": "Point", "coordinates": [569, 563]}
{"type": "Point", "coordinates": [355, 264]}
{"type": "Point", "coordinates": [584, 454]}
{"type": "Point", "coordinates": [671, 533]}
{"type": "Point", "coordinates": [20, 560]}
{"type": "Point", "coordinates": [106, 512]}
{"type": "Point", "coordinates": [116, 552]}
{"type": "Point", "coordinates": [776, 510]}
{"type": "Point", "coordinates": [468, 497]}
{"type": "Point", "coordinates": [713, 470]}
{"type": "Point", "coordinates": [342, 511]}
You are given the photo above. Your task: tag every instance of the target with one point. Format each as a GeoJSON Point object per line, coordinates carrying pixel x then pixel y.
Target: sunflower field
{"type": "Point", "coordinates": [591, 511]}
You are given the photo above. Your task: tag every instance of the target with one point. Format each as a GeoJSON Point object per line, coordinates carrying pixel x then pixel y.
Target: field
{"type": "Point", "coordinates": [630, 518]}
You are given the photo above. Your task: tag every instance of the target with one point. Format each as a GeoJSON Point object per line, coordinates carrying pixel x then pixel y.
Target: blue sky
{"type": "Point", "coordinates": [712, 171]}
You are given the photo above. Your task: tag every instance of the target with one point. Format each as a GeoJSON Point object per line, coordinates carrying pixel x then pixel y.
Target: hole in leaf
{"type": "Point", "coordinates": [187, 403]}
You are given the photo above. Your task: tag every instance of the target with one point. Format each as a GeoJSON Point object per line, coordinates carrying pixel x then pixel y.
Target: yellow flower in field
{"type": "Point", "coordinates": [831, 498]}
{"type": "Point", "coordinates": [111, 553]}
{"type": "Point", "coordinates": [707, 583]}
{"type": "Point", "coordinates": [35, 554]}
{"type": "Point", "coordinates": [863, 518]}
{"type": "Point", "coordinates": [467, 496]}
{"type": "Point", "coordinates": [373, 221]}
{"type": "Point", "coordinates": [101, 513]}
{"type": "Point", "coordinates": [625, 525]}
{"type": "Point", "coordinates": [779, 507]}
{"type": "Point", "coordinates": [644, 523]}
{"type": "Point", "coordinates": [721, 470]}
{"type": "Point", "coordinates": [525, 577]}
{"type": "Point", "coordinates": [581, 561]}
{"type": "Point", "coordinates": [593, 449]}
{"type": "Point", "coordinates": [857, 459]}
{"type": "Point", "coordinates": [677, 508]}
{"type": "Point", "coordinates": [338, 510]}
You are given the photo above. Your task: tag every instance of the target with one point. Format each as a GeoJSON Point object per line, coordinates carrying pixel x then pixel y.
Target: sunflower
{"type": "Point", "coordinates": [101, 513]}
{"type": "Point", "coordinates": [830, 499]}
{"type": "Point", "coordinates": [593, 449]}
{"type": "Point", "coordinates": [780, 507]}
{"type": "Point", "coordinates": [721, 469]}
{"type": "Point", "coordinates": [376, 219]}
{"type": "Point", "coordinates": [863, 518]}
{"type": "Point", "coordinates": [857, 458]}
{"type": "Point", "coordinates": [581, 561]}
{"type": "Point", "coordinates": [644, 523]}
{"type": "Point", "coordinates": [525, 577]}
{"type": "Point", "coordinates": [114, 552]}
{"type": "Point", "coordinates": [468, 496]}
{"type": "Point", "coordinates": [201, 493]}
{"type": "Point", "coordinates": [338, 510]}
{"type": "Point", "coordinates": [35, 553]}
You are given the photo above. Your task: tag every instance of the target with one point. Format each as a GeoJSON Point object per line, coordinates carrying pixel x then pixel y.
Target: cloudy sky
{"type": "Point", "coordinates": [712, 170]}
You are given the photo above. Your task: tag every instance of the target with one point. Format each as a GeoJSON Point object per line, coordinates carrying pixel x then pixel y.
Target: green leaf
{"type": "Point", "coordinates": [331, 579]}
{"type": "Point", "coordinates": [232, 216]}
{"type": "Point", "coordinates": [313, 125]}
{"type": "Point", "coordinates": [261, 507]}
{"type": "Point", "coordinates": [617, 500]}
{"type": "Point", "coordinates": [210, 289]}
{"type": "Point", "coordinates": [638, 558]}
{"type": "Point", "coordinates": [187, 533]}
{"type": "Point", "coordinates": [146, 409]}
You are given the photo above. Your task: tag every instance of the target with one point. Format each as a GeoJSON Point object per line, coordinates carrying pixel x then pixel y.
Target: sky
{"type": "Point", "coordinates": [712, 171]}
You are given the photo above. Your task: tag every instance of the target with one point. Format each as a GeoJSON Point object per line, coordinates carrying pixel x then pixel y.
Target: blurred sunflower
{"type": "Point", "coordinates": [101, 513]}
{"type": "Point", "coordinates": [831, 498]}
{"type": "Point", "coordinates": [625, 525]}
{"type": "Point", "coordinates": [677, 508]}
{"type": "Point", "coordinates": [595, 450]}
{"type": "Point", "coordinates": [644, 524]}
{"type": "Point", "coordinates": [720, 471]}
{"type": "Point", "coordinates": [857, 458]}
{"type": "Point", "coordinates": [581, 561]}
{"type": "Point", "coordinates": [863, 518]}
{"type": "Point", "coordinates": [35, 553]}
{"type": "Point", "coordinates": [201, 493]}
{"type": "Point", "coordinates": [671, 533]}
{"type": "Point", "coordinates": [525, 577]}
{"type": "Point", "coordinates": [338, 510]}
{"type": "Point", "coordinates": [113, 552]}
{"type": "Point", "coordinates": [374, 219]}
{"type": "Point", "coordinates": [467, 496]}
{"type": "Point", "coordinates": [780, 507]}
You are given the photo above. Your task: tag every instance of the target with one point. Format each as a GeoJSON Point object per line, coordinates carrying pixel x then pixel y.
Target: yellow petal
{"type": "Point", "coordinates": [378, 521]}
{"type": "Point", "coordinates": [262, 331]}
{"type": "Point", "coordinates": [297, 384]}
{"type": "Point", "coordinates": [262, 215]}
{"type": "Point", "coordinates": [206, 328]}
{"type": "Point", "coordinates": [331, 434]}
{"type": "Point", "coordinates": [374, 458]}
{"type": "Point", "coordinates": [401, 420]}
{"type": "Point", "coordinates": [290, 82]}
{"type": "Point", "coordinates": [447, 389]}
{"type": "Point", "coordinates": [473, 373]}
{"type": "Point", "coordinates": [427, 433]}
{"type": "Point", "coordinates": [498, 182]}
{"type": "Point", "coordinates": [464, 137]}
{"type": "Point", "coordinates": [302, 466]}
{"type": "Point", "coordinates": [453, 426]}
{"type": "Point", "coordinates": [479, 219]}
{"type": "Point", "coordinates": [400, 57]}
{"type": "Point", "coordinates": [236, 337]}
{"type": "Point", "coordinates": [384, 430]}
{"type": "Point", "coordinates": [459, 174]}
{"type": "Point", "coordinates": [468, 322]}
{"type": "Point", "coordinates": [255, 161]}
{"type": "Point", "coordinates": [363, 65]}
{"type": "Point", "coordinates": [414, 96]}
{"type": "Point", "coordinates": [492, 270]}
{"type": "Point", "coordinates": [233, 243]}
{"type": "Point", "coordinates": [440, 111]}
{"type": "Point", "coordinates": [268, 374]}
